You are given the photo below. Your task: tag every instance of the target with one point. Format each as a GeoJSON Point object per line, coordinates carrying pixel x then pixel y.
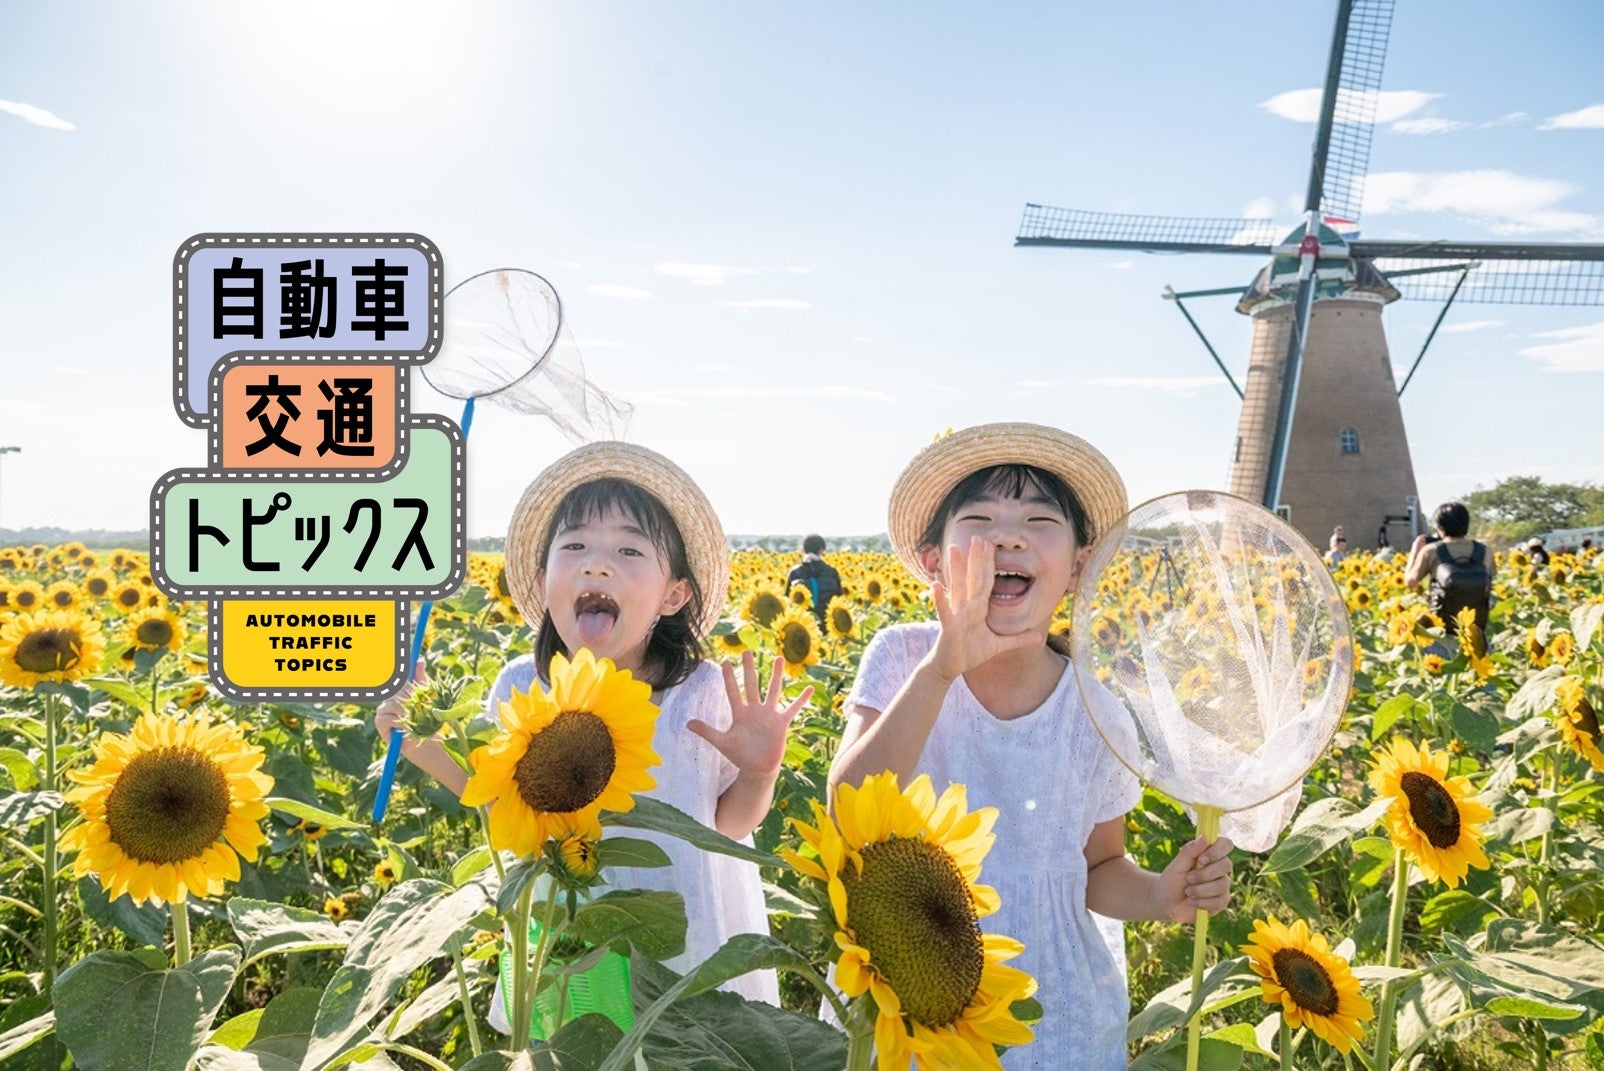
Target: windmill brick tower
{"type": "Point", "coordinates": [1321, 436]}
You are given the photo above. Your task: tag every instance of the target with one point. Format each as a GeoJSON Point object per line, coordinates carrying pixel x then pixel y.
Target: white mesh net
{"type": "Point", "coordinates": [1227, 644]}
{"type": "Point", "coordinates": [507, 341]}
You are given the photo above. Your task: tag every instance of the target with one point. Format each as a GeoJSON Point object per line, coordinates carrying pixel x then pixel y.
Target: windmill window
{"type": "Point", "coordinates": [1349, 438]}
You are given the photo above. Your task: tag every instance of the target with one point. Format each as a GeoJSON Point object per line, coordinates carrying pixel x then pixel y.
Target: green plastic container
{"type": "Point", "coordinates": [604, 988]}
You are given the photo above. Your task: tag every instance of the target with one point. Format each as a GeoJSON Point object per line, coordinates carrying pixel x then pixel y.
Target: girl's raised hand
{"type": "Point", "coordinates": [1199, 877]}
{"type": "Point", "coordinates": [755, 740]}
{"type": "Point", "coordinates": [962, 596]}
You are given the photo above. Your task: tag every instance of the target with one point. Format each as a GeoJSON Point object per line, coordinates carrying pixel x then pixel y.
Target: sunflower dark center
{"type": "Point", "coordinates": [97, 586]}
{"type": "Point", "coordinates": [48, 650]}
{"type": "Point", "coordinates": [766, 607]}
{"type": "Point", "coordinates": [1432, 808]}
{"type": "Point", "coordinates": [796, 643]}
{"type": "Point", "coordinates": [62, 599]}
{"type": "Point", "coordinates": [568, 763]}
{"type": "Point", "coordinates": [841, 619]}
{"type": "Point", "coordinates": [168, 805]}
{"type": "Point", "coordinates": [873, 589]}
{"type": "Point", "coordinates": [1586, 718]}
{"type": "Point", "coordinates": [128, 597]}
{"type": "Point", "coordinates": [1301, 975]}
{"type": "Point", "coordinates": [156, 632]}
{"type": "Point", "coordinates": [910, 907]}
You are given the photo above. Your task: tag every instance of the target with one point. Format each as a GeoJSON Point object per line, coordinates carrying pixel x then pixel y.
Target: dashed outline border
{"type": "Point", "coordinates": [242, 694]}
{"type": "Point", "coordinates": [191, 245]}
{"type": "Point", "coordinates": [459, 543]}
{"type": "Point", "coordinates": [214, 435]}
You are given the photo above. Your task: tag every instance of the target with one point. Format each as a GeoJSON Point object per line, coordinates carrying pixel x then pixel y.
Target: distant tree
{"type": "Point", "coordinates": [1521, 506]}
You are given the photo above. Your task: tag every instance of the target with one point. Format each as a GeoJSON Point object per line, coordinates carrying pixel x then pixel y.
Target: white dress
{"type": "Point", "coordinates": [1052, 779]}
{"type": "Point", "coordinates": [723, 896]}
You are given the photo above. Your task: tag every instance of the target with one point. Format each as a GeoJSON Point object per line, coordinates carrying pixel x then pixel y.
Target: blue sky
{"type": "Point", "coordinates": [784, 232]}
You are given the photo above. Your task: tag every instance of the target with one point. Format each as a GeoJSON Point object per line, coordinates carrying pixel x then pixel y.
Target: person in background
{"type": "Point", "coordinates": [817, 575]}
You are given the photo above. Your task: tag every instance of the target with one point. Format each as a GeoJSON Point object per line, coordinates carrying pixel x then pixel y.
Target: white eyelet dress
{"type": "Point", "coordinates": [723, 896]}
{"type": "Point", "coordinates": [1052, 779]}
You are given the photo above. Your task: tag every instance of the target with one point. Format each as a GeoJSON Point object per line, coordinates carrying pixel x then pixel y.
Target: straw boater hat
{"type": "Point", "coordinates": [705, 546]}
{"type": "Point", "coordinates": [942, 465]}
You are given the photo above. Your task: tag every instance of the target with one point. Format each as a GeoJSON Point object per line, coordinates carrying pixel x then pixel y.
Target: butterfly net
{"type": "Point", "coordinates": [507, 341]}
{"type": "Point", "coordinates": [1214, 654]}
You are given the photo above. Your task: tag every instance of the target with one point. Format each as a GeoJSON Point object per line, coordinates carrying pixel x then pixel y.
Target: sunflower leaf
{"type": "Point", "coordinates": [739, 955]}
{"type": "Point", "coordinates": [266, 928]}
{"type": "Point", "coordinates": [22, 1035]}
{"type": "Point", "coordinates": [1322, 826]}
{"type": "Point", "coordinates": [630, 851]}
{"type": "Point", "coordinates": [115, 1010]}
{"type": "Point", "coordinates": [23, 773]}
{"type": "Point", "coordinates": [22, 809]}
{"type": "Point", "coordinates": [660, 817]}
{"type": "Point", "coordinates": [307, 812]}
{"type": "Point", "coordinates": [1527, 1008]}
{"type": "Point", "coordinates": [122, 691]}
{"type": "Point", "coordinates": [1178, 1003]}
{"type": "Point", "coordinates": [651, 922]}
{"type": "Point", "coordinates": [1584, 623]}
{"type": "Point", "coordinates": [145, 923]}
{"type": "Point", "coordinates": [1389, 712]}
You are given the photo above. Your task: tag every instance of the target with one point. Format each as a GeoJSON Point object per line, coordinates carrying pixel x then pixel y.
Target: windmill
{"type": "Point", "coordinates": [1321, 436]}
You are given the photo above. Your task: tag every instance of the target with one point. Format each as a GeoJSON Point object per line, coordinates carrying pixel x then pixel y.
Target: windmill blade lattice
{"type": "Point", "coordinates": [1045, 225]}
{"type": "Point", "coordinates": [1342, 165]}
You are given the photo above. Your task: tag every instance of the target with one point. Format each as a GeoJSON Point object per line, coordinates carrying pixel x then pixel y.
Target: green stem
{"type": "Point", "coordinates": [520, 967]}
{"type": "Point", "coordinates": [417, 1054]}
{"type": "Point", "coordinates": [180, 934]}
{"type": "Point", "coordinates": [1208, 827]}
{"type": "Point", "coordinates": [467, 1005]}
{"type": "Point", "coordinates": [548, 926]}
{"type": "Point", "coordinates": [1541, 883]}
{"type": "Point", "coordinates": [1286, 1044]}
{"type": "Point", "coordinates": [860, 1034]}
{"type": "Point", "coordinates": [49, 862]}
{"type": "Point", "coordinates": [1389, 992]}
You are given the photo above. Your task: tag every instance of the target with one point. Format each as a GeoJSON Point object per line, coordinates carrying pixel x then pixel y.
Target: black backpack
{"type": "Point", "coordinates": [1461, 582]}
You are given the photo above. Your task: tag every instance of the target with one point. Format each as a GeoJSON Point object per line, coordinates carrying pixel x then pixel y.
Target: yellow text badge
{"type": "Point", "coordinates": [297, 649]}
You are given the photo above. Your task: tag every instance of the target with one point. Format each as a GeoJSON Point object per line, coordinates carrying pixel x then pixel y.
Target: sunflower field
{"type": "Point", "coordinates": [192, 883]}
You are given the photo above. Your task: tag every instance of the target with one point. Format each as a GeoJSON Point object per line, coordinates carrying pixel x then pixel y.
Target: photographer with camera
{"type": "Point", "coordinates": [1460, 567]}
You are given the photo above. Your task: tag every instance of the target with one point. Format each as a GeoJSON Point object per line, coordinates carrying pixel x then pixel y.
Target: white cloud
{"type": "Point", "coordinates": [1183, 385]}
{"type": "Point", "coordinates": [1501, 201]}
{"type": "Point", "coordinates": [1506, 119]}
{"type": "Point", "coordinates": [703, 274]}
{"type": "Point", "coordinates": [863, 338]}
{"type": "Point", "coordinates": [714, 367]}
{"type": "Point", "coordinates": [37, 116]}
{"type": "Point", "coordinates": [768, 303]}
{"type": "Point", "coordinates": [1427, 126]}
{"type": "Point", "coordinates": [1578, 349]}
{"type": "Point", "coordinates": [615, 290]}
{"type": "Point", "coordinates": [1303, 105]}
{"type": "Point", "coordinates": [1122, 265]}
{"type": "Point", "coordinates": [600, 344]}
{"type": "Point", "coordinates": [571, 265]}
{"type": "Point", "coordinates": [1259, 208]}
{"type": "Point", "coordinates": [1035, 383]}
{"type": "Point", "coordinates": [801, 269]}
{"type": "Point", "coordinates": [1588, 118]}
{"type": "Point", "coordinates": [1472, 325]}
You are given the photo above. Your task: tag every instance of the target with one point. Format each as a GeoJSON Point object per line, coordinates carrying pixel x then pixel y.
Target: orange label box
{"type": "Point", "coordinates": [308, 416]}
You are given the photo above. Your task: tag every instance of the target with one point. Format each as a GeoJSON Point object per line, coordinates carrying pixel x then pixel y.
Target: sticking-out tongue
{"type": "Point", "coordinates": [594, 625]}
{"type": "Point", "coordinates": [1009, 585]}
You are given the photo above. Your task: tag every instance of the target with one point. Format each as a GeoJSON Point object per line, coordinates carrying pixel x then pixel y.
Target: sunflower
{"type": "Point", "coordinates": [335, 909]}
{"type": "Point", "coordinates": [565, 756]}
{"type": "Point", "coordinates": [1471, 637]}
{"type": "Point", "coordinates": [874, 586]}
{"type": "Point", "coordinates": [62, 595]}
{"type": "Point", "coordinates": [1359, 599]}
{"type": "Point", "coordinates": [1561, 646]}
{"type": "Point", "coordinates": [796, 635]}
{"type": "Point", "coordinates": [801, 596]}
{"type": "Point", "coordinates": [49, 645]}
{"type": "Point", "coordinates": [1433, 818]}
{"type": "Point", "coordinates": [98, 584]}
{"type": "Point", "coordinates": [154, 630]}
{"type": "Point", "coordinates": [1578, 722]}
{"type": "Point", "coordinates": [26, 596]}
{"type": "Point", "coordinates": [763, 606]}
{"type": "Point", "coordinates": [839, 620]}
{"type": "Point", "coordinates": [1312, 984]}
{"type": "Point", "coordinates": [1536, 649]}
{"type": "Point", "coordinates": [1106, 631]}
{"type": "Point", "coordinates": [1434, 664]}
{"type": "Point", "coordinates": [167, 807]}
{"type": "Point", "coordinates": [129, 595]}
{"type": "Point", "coordinates": [579, 857]}
{"type": "Point", "coordinates": [384, 872]}
{"type": "Point", "coordinates": [900, 870]}
{"type": "Point", "coordinates": [728, 644]}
